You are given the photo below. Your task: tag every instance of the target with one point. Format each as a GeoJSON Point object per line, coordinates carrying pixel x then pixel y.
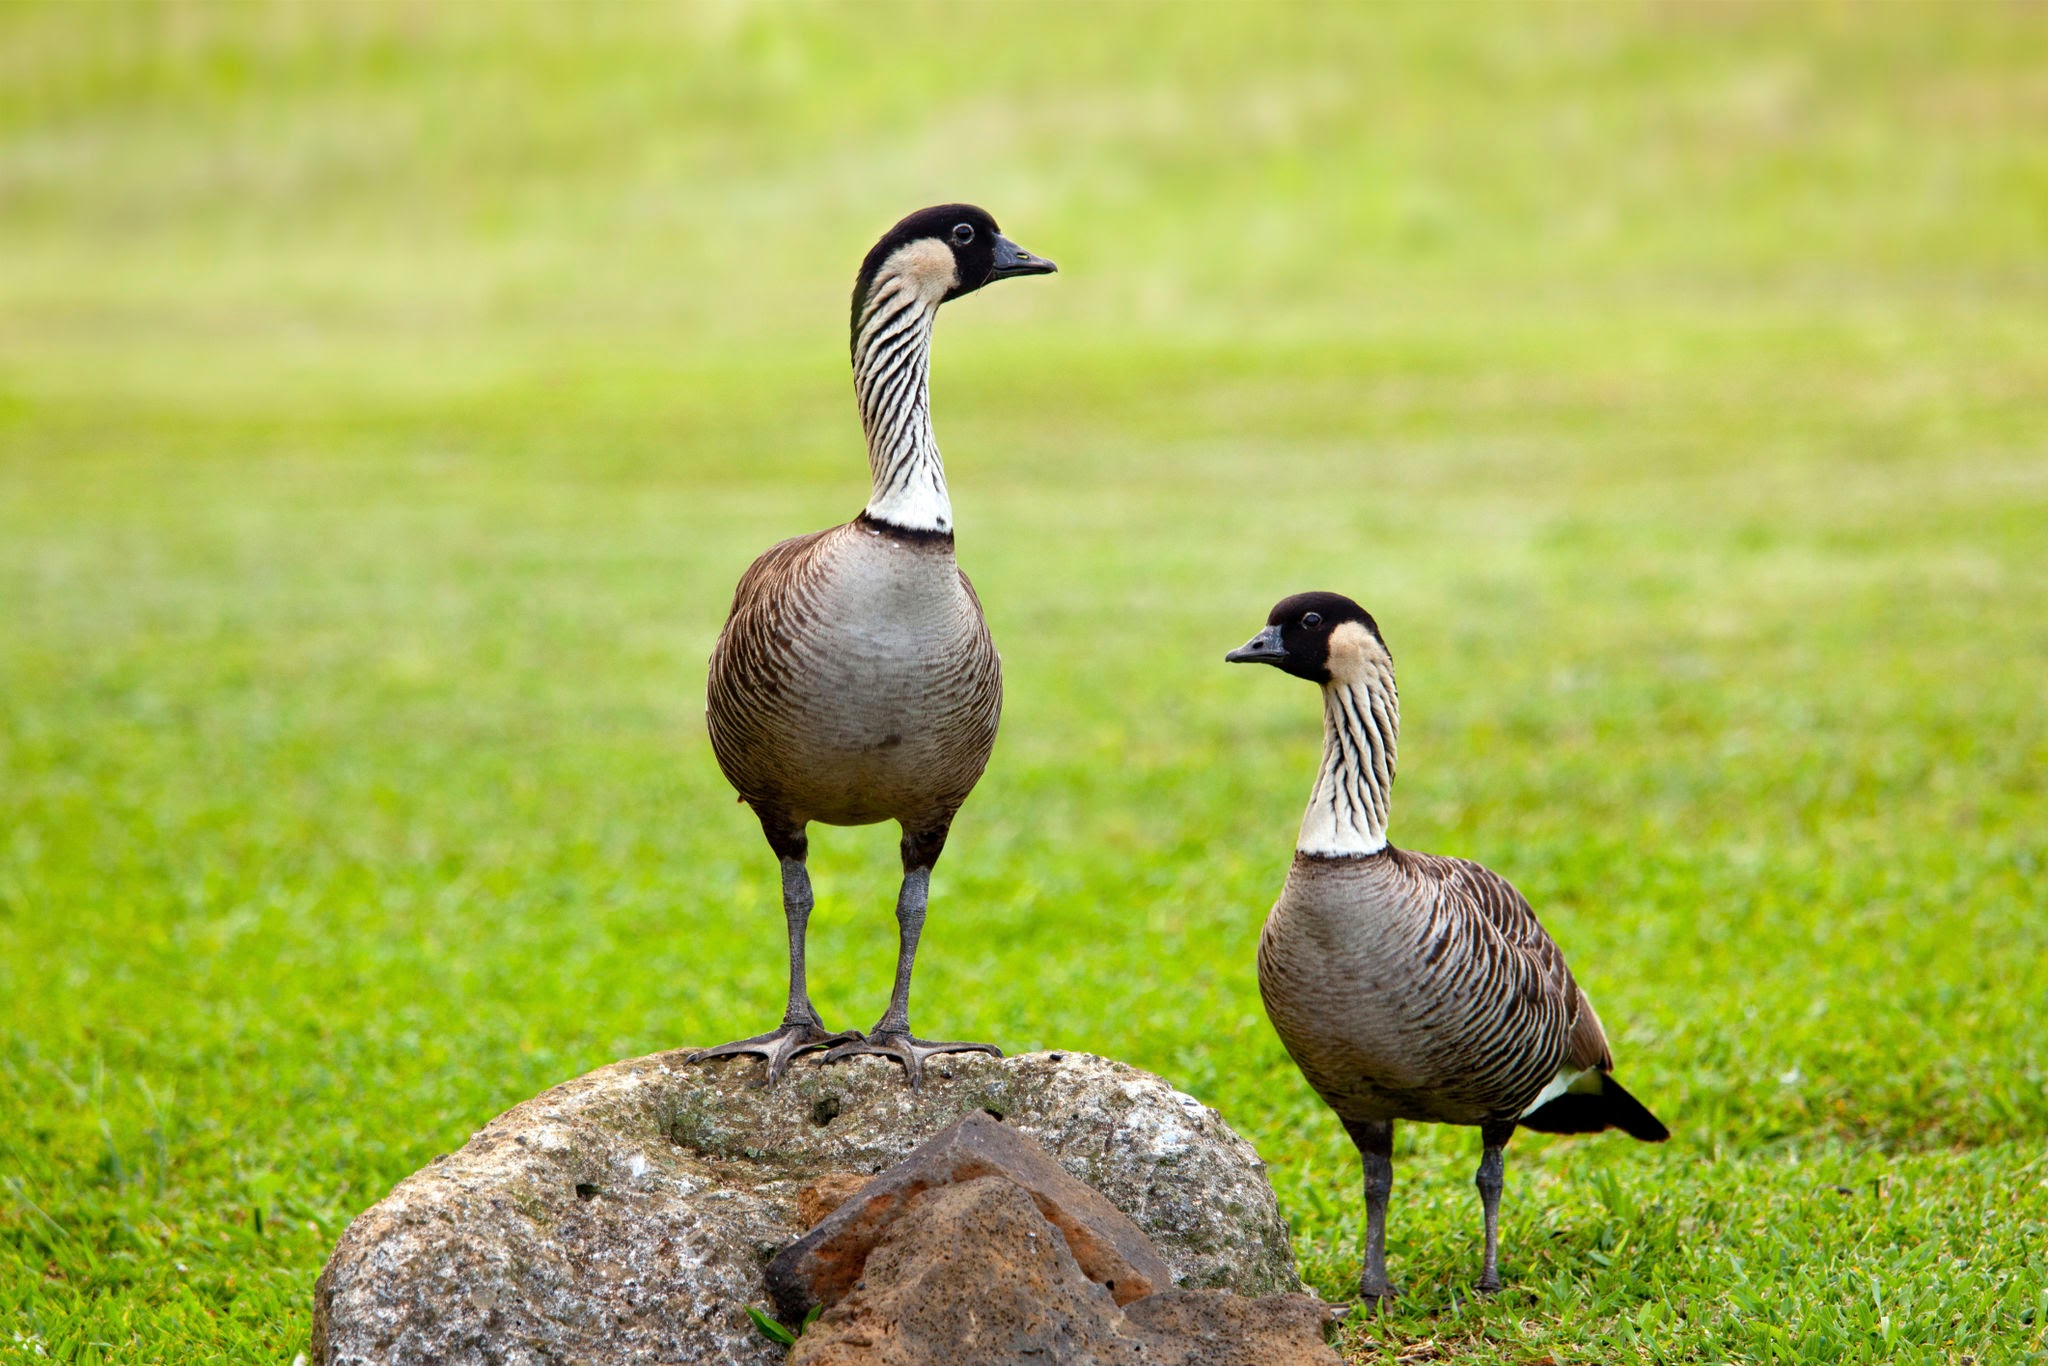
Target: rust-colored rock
{"type": "Point", "coordinates": [1217, 1328]}
{"type": "Point", "coordinates": [823, 1265]}
{"type": "Point", "coordinates": [819, 1197]}
{"type": "Point", "coordinates": [971, 1272]}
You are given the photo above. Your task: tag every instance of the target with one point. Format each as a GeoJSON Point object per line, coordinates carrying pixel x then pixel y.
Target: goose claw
{"type": "Point", "coordinates": [779, 1046]}
{"type": "Point", "coordinates": [906, 1050]}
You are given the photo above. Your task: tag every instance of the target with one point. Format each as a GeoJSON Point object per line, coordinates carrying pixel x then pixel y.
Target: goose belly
{"type": "Point", "coordinates": [875, 694]}
{"type": "Point", "coordinates": [1380, 1026]}
{"type": "Point", "coordinates": [888, 723]}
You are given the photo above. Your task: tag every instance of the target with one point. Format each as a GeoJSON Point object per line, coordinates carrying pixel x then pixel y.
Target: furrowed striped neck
{"type": "Point", "coordinates": [1347, 810]}
{"type": "Point", "coordinates": [891, 369]}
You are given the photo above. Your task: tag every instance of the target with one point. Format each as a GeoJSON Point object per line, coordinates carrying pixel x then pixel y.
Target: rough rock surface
{"type": "Point", "coordinates": [817, 1198]}
{"type": "Point", "coordinates": [820, 1267]}
{"type": "Point", "coordinates": [1217, 1328]}
{"type": "Point", "coordinates": [970, 1273]}
{"type": "Point", "coordinates": [626, 1216]}
{"type": "Point", "coordinates": [973, 1273]}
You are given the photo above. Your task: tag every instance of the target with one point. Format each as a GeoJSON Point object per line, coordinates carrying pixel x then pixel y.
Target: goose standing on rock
{"type": "Point", "coordinates": [1409, 986]}
{"type": "Point", "coordinates": [855, 680]}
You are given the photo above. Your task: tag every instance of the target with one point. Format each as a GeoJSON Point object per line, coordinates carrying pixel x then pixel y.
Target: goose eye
{"type": "Point", "coordinates": [963, 233]}
{"type": "Point", "coordinates": [1312, 620]}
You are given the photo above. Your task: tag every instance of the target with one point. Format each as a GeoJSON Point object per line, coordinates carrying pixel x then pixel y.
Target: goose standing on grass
{"type": "Point", "coordinates": [1408, 986]}
{"type": "Point", "coordinates": [855, 681]}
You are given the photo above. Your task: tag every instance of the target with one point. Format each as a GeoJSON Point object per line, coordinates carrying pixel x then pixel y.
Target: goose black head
{"type": "Point", "coordinates": [1317, 636]}
{"type": "Point", "coordinates": [942, 253]}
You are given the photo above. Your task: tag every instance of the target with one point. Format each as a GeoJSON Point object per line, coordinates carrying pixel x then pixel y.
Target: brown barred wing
{"type": "Point", "coordinates": [1539, 1020]}
{"type": "Point", "coordinates": [753, 663]}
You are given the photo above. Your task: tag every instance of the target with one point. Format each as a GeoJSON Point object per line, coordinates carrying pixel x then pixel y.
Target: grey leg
{"type": "Point", "coordinates": [801, 1029]}
{"type": "Point", "coordinates": [1375, 1140]}
{"type": "Point", "coordinates": [796, 914]}
{"type": "Point", "coordinates": [891, 1036]}
{"type": "Point", "coordinates": [1494, 1137]}
{"type": "Point", "coordinates": [911, 900]}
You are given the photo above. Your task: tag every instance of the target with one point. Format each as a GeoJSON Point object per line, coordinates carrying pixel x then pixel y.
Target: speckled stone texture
{"type": "Point", "coordinates": [626, 1216]}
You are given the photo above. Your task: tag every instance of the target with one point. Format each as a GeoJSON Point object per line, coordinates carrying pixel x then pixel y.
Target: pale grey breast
{"type": "Point", "coordinates": [1408, 986]}
{"type": "Point", "coordinates": [855, 680]}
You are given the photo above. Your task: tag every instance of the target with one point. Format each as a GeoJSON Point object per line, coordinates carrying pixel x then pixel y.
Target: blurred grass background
{"type": "Point", "coordinates": [391, 394]}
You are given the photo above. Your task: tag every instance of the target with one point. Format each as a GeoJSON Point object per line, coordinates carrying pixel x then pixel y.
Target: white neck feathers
{"type": "Point", "coordinates": [891, 368]}
{"type": "Point", "coordinates": [1347, 810]}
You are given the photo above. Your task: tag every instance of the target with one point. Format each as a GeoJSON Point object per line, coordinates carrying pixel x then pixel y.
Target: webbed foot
{"type": "Point", "coordinates": [906, 1050]}
{"type": "Point", "coordinates": [779, 1046]}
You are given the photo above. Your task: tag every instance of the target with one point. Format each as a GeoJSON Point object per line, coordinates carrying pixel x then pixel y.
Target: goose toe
{"type": "Point", "coordinates": [779, 1046]}
{"type": "Point", "coordinates": [911, 1052]}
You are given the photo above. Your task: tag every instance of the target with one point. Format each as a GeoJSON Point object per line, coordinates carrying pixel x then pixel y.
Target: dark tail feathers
{"type": "Point", "coordinates": [1587, 1112]}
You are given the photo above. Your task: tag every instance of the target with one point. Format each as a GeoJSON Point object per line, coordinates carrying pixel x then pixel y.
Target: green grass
{"type": "Point", "coordinates": [390, 396]}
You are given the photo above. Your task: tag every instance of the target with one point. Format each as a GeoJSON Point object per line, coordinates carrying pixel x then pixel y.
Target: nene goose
{"type": "Point", "coordinates": [855, 681]}
{"type": "Point", "coordinates": [1408, 986]}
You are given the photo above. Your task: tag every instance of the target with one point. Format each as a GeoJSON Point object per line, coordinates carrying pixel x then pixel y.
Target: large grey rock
{"type": "Point", "coordinates": [626, 1216]}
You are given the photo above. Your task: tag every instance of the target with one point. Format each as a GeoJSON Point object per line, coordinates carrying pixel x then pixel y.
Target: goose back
{"type": "Point", "coordinates": [1409, 986]}
{"type": "Point", "coordinates": [855, 680]}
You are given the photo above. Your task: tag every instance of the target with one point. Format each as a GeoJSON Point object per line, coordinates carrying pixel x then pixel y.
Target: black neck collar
{"type": "Point", "coordinates": [915, 535]}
